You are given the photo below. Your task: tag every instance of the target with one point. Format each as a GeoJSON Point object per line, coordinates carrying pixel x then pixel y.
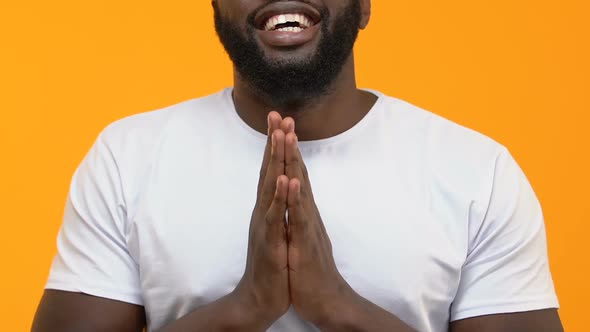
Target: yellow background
{"type": "Point", "coordinates": [517, 71]}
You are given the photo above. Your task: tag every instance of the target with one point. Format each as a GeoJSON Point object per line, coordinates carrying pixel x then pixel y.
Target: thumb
{"type": "Point", "coordinates": [275, 216]}
{"type": "Point", "coordinates": [297, 219]}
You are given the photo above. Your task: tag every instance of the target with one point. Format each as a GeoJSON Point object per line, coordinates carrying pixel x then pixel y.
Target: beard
{"type": "Point", "coordinates": [291, 83]}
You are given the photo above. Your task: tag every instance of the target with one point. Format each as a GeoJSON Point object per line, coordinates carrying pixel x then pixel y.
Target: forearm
{"type": "Point", "coordinates": [359, 314]}
{"type": "Point", "coordinates": [229, 313]}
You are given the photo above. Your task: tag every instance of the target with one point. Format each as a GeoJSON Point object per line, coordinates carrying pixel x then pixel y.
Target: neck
{"type": "Point", "coordinates": [333, 113]}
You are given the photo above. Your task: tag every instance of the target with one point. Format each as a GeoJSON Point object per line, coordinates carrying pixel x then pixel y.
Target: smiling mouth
{"type": "Point", "coordinates": [288, 22]}
{"type": "Point", "coordinates": [287, 16]}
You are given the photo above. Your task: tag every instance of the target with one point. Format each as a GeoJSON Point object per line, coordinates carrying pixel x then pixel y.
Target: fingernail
{"type": "Point", "coordinates": [272, 138]}
{"type": "Point", "coordinates": [268, 120]}
{"type": "Point", "coordinates": [291, 126]}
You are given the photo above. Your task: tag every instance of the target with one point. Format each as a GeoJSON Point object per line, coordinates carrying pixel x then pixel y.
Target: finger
{"type": "Point", "coordinates": [273, 122]}
{"type": "Point", "coordinates": [275, 167]}
{"type": "Point", "coordinates": [294, 166]}
{"type": "Point", "coordinates": [275, 216]}
{"type": "Point", "coordinates": [296, 215]}
{"type": "Point", "coordinates": [288, 125]}
{"type": "Point", "coordinates": [295, 169]}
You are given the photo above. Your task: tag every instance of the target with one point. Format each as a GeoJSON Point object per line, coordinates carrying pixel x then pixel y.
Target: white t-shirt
{"type": "Point", "coordinates": [429, 220]}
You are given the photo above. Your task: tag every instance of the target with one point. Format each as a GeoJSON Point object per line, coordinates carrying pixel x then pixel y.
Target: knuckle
{"type": "Point", "coordinates": [304, 193]}
{"type": "Point", "coordinates": [304, 228]}
{"type": "Point", "coordinates": [267, 195]}
{"type": "Point", "coordinates": [294, 160]}
{"type": "Point", "coordinates": [275, 198]}
{"type": "Point", "coordinates": [269, 219]}
{"type": "Point", "coordinates": [275, 158]}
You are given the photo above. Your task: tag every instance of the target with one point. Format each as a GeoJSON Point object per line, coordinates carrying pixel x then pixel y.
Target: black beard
{"type": "Point", "coordinates": [292, 84]}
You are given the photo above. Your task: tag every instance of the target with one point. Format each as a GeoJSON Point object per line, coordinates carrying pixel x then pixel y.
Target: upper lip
{"type": "Point", "coordinates": [285, 7]}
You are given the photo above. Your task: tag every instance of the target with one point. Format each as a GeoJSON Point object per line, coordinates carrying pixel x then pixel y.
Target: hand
{"type": "Point", "coordinates": [316, 286]}
{"type": "Point", "coordinates": [264, 286]}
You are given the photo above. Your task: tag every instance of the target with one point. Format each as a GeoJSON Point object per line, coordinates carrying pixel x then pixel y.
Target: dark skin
{"type": "Point", "coordinates": [329, 116]}
{"type": "Point", "coordinates": [69, 312]}
{"type": "Point", "coordinates": [280, 270]}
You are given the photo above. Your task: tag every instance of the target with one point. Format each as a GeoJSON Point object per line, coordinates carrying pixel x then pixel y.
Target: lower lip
{"type": "Point", "coordinates": [288, 39]}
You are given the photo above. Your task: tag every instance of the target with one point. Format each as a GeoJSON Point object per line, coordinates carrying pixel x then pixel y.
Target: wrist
{"type": "Point", "coordinates": [339, 313]}
{"type": "Point", "coordinates": [355, 313]}
{"type": "Point", "coordinates": [248, 312]}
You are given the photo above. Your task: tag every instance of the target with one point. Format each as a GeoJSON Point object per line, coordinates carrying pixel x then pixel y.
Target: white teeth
{"type": "Point", "coordinates": [303, 20]}
{"type": "Point", "coordinates": [290, 29]}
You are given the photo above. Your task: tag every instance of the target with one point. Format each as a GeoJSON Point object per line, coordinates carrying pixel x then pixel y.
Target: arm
{"type": "Point", "coordinates": [62, 311]}
{"type": "Point", "coordinates": [322, 296]}
{"type": "Point", "coordinates": [226, 314]}
{"type": "Point", "coordinates": [362, 315]}
{"type": "Point", "coordinates": [319, 293]}
{"type": "Point", "coordinates": [359, 314]}
{"type": "Point", "coordinates": [505, 283]}
{"type": "Point", "coordinates": [262, 295]}
{"type": "Point", "coordinates": [531, 321]}
{"type": "Point", "coordinates": [92, 247]}
{"type": "Point", "coordinates": [66, 311]}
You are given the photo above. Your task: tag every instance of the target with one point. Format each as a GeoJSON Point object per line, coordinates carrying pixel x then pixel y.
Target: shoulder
{"type": "Point", "coordinates": [144, 130]}
{"type": "Point", "coordinates": [457, 159]}
{"type": "Point", "coordinates": [135, 143]}
{"type": "Point", "coordinates": [444, 135]}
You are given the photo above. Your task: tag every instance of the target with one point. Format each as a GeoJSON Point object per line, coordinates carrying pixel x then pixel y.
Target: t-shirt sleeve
{"type": "Point", "coordinates": [92, 254]}
{"type": "Point", "coordinates": [507, 268]}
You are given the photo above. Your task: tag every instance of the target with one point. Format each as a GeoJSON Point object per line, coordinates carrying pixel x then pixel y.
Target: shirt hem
{"type": "Point", "coordinates": [111, 294]}
{"type": "Point", "coordinates": [549, 303]}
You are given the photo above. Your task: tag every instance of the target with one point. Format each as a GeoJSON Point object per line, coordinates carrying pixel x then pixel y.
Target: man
{"type": "Point", "coordinates": [369, 214]}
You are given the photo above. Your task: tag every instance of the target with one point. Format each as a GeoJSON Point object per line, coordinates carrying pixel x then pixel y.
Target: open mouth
{"type": "Point", "coordinates": [288, 23]}
{"type": "Point", "coordinates": [287, 16]}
